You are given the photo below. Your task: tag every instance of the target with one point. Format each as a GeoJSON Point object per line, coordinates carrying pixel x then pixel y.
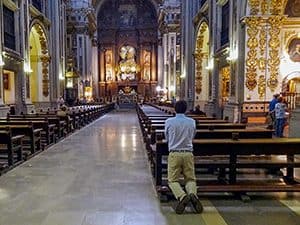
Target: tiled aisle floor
{"type": "Point", "coordinates": [100, 176]}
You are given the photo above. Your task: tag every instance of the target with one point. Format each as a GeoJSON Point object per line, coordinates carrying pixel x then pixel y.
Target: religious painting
{"type": "Point", "coordinates": [6, 81]}
{"type": "Point", "coordinates": [128, 15]}
{"type": "Point", "coordinates": [225, 74]}
{"type": "Point", "coordinates": [147, 63]}
{"type": "Point", "coordinates": [294, 50]}
{"type": "Point", "coordinates": [293, 8]}
{"type": "Point", "coordinates": [108, 65]}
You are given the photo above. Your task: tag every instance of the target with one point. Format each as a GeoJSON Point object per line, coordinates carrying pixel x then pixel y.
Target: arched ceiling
{"type": "Point", "coordinates": [98, 3]}
{"type": "Point", "coordinates": [126, 15]}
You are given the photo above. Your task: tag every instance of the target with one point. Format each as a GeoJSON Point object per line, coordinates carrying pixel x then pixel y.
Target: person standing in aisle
{"type": "Point", "coordinates": [272, 111]}
{"type": "Point", "coordinates": [280, 109]}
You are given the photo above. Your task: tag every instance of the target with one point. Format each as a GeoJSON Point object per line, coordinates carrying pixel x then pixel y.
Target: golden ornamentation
{"type": "Point", "coordinates": [262, 47]}
{"type": "Point", "coordinates": [274, 54]}
{"type": "Point", "coordinates": [277, 6]}
{"type": "Point", "coordinates": [261, 87]}
{"type": "Point", "coordinates": [45, 71]}
{"type": "Point", "coordinates": [225, 72]}
{"type": "Point", "coordinates": [264, 6]}
{"type": "Point", "coordinates": [45, 58]}
{"type": "Point", "coordinates": [288, 35]}
{"type": "Point", "coordinates": [199, 58]}
{"type": "Point", "coordinates": [251, 59]}
{"type": "Point", "coordinates": [254, 6]}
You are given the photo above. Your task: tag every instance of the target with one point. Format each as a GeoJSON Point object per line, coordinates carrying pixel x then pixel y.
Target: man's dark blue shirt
{"type": "Point", "coordinates": [272, 104]}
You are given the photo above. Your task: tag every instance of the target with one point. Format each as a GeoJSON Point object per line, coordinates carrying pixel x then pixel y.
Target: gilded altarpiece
{"type": "Point", "coordinates": [127, 32]}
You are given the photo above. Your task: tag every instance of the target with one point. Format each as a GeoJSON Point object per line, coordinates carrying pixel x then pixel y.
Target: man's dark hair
{"type": "Point", "coordinates": [180, 106]}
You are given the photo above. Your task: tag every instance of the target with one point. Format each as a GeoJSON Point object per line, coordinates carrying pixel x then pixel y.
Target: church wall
{"type": "Point", "coordinates": [17, 59]}
{"type": "Point", "coordinates": [256, 53]}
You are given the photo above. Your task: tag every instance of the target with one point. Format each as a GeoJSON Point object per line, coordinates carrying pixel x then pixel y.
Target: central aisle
{"type": "Point", "coordinates": [99, 175]}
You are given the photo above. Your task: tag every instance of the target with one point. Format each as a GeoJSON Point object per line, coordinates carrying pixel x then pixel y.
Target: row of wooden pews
{"type": "Point", "coordinates": [23, 136]}
{"type": "Point", "coordinates": [229, 157]}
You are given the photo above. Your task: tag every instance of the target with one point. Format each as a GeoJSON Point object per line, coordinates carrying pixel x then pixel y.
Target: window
{"type": "Point", "coordinates": [9, 28]}
{"type": "Point", "coordinates": [225, 24]}
{"type": "Point", "coordinates": [37, 4]}
{"type": "Point", "coordinates": [201, 3]}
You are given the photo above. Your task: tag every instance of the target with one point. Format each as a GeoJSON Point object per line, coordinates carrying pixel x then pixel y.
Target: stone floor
{"type": "Point", "coordinates": [100, 176]}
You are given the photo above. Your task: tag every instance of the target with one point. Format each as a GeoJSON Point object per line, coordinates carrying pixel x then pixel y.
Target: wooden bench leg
{"type": "Point", "coordinates": [232, 168]}
{"type": "Point", "coordinates": [290, 178]}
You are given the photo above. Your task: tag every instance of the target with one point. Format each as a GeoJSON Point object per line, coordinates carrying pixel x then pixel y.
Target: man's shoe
{"type": "Point", "coordinates": [182, 204]}
{"type": "Point", "coordinates": [196, 203]}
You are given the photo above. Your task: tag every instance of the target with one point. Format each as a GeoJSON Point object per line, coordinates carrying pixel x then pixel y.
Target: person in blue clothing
{"type": "Point", "coordinates": [272, 111]}
{"type": "Point", "coordinates": [280, 109]}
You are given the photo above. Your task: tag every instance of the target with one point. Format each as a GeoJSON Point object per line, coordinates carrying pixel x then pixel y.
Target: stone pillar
{"type": "Point", "coordinates": [102, 72]}
{"type": "Point", "coordinates": [187, 57]}
{"type": "Point", "coordinates": [160, 66]}
{"type": "Point", "coordinates": [95, 68]}
{"type": "Point", "coordinates": [1, 60]}
{"type": "Point", "coordinates": [165, 60]}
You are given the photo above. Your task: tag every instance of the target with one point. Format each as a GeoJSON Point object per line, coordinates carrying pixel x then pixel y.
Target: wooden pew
{"type": "Point", "coordinates": [10, 148]}
{"type": "Point", "coordinates": [154, 121]}
{"type": "Point", "coordinates": [206, 126]}
{"type": "Point", "coordinates": [221, 134]}
{"type": "Point", "coordinates": [60, 125]}
{"type": "Point", "coordinates": [48, 135]}
{"type": "Point", "coordinates": [234, 149]}
{"type": "Point", "coordinates": [208, 134]}
{"type": "Point", "coordinates": [32, 137]}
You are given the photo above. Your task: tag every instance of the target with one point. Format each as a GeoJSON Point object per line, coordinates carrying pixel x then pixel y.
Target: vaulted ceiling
{"type": "Point", "coordinates": [98, 3]}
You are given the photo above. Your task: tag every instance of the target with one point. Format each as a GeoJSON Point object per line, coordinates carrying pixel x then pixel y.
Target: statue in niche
{"type": "Point", "coordinates": [127, 65]}
{"type": "Point", "coordinates": [294, 50]}
{"type": "Point", "coordinates": [108, 66]}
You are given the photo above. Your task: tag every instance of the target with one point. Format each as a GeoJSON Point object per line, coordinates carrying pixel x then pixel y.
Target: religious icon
{"type": "Point", "coordinates": [294, 50]}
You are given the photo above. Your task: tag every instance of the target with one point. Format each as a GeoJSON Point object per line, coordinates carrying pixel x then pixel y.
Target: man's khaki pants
{"type": "Point", "coordinates": [181, 163]}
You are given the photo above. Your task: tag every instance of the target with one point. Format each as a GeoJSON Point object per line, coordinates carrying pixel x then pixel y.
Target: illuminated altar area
{"type": "Point", "coordinates": [127, 48]}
